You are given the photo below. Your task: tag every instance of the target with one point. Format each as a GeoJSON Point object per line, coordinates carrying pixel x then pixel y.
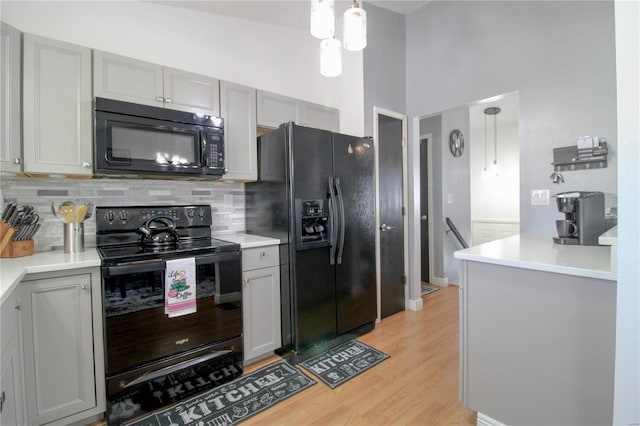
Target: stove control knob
{"type": "Point", "coordinates": [201, 214]}
{"type": "Point", "coordinates": [110, 216]}
{"type": "Point", "coordinates": [123, 215]}
{"type": "Point", "coordinates": [191, 213]}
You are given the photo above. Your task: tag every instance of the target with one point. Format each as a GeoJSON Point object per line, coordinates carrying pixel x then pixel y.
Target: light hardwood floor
{"type": "Point", "coordinates": [417, 385]}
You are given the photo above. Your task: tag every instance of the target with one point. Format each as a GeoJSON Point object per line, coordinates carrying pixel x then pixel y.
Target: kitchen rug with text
{"type": "Point", "coordinates": [343, 362]}
{"type": "Point", "coordinates": [234, 401]}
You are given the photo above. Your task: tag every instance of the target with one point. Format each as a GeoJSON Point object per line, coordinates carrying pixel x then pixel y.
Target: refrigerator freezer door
{"type": "Point", "coordinates": [356, 275]}
{"type": "Point", "coordinates": [313, 278]}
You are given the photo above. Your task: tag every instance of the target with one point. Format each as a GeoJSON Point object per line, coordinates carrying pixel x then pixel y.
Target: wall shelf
{"type": "Point", "coordinates": [572, 158]}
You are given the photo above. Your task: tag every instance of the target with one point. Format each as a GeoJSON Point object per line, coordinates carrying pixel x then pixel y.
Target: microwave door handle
{"type": "Point", "coordinates": [204, 160]}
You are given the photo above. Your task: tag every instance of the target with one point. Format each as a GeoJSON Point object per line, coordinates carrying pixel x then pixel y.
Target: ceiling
{"type": "Point", "coordinates": [292, 13]}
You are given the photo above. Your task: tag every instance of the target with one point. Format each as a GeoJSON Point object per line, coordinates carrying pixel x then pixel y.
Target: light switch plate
{"type": "Point", "coordinates": [539, 197]}
{"type": "Point", "coordinates": [449, 198]}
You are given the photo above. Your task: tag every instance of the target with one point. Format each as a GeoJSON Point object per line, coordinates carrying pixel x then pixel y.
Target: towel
{"type": "Point", "coordinates": [180, 287]}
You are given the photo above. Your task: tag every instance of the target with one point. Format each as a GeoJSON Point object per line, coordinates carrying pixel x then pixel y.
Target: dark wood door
{"type": "Point", "coordinates": [424, 211]}
{"type": "Point", "coordinates": [392, 291]}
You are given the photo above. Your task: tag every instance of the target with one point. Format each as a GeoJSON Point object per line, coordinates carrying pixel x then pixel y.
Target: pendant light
{"type": "Point", "coordinates": [494, 111]}
{"type": "Point", "coordinates": [330, 57]}
{"type": "Point", "coordinates": [355, 28]}
{"type": "Point", "coordinates": [322, 18]}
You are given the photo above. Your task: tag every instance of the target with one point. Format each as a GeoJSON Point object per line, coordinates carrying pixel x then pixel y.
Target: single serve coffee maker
{"type": "Point", "coordinates": [584, 218]}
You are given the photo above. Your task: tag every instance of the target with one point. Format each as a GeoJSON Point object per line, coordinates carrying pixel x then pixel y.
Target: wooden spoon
{"type": "Point", "coordinates": [68, 213]}
{"type": "Point", "coordinates": [81, 212]}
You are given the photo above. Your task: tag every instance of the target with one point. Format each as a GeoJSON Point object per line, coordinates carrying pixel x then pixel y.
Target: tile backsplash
{"type": "Point", "coordinates": [227, 201]}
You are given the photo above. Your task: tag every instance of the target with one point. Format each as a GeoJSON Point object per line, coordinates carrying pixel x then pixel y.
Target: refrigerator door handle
{"type": "Point", "coordinates": [334, 225]}
{"type": "Point", "coordinates": [342, 222]}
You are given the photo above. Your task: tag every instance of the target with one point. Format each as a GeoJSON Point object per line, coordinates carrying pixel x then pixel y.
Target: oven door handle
{"type": "Point", "coordinates": [173, 368]}
{"type": "Point", "coordinates": [207, 259]}
{"type": "Point", "coordinates": [134, 267]}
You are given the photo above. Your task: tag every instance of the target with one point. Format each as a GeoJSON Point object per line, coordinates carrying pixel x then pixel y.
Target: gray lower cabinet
{"type": "Point", "coordinates": [11, 398]}
{"type": "Point", "coordinates": [11, 107]}
{"type": "Point", "coordinates": [62, 341]}
{"type": "Point", "coordinates": [238, 107]}
{"type": "Point", "coordinates": [274, 109]}
{"type": "Point", "coordinates": [130, 80]}
{"type": "Point", "coordinates": [57, 107]}
{"type": "Point", "coordinates": [536, 347]}
{"type": "Point", "coordinates": [261, 301]}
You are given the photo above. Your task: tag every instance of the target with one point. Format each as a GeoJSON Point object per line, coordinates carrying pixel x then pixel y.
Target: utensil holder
{"type": "Point", "coordinates": [73, 237]}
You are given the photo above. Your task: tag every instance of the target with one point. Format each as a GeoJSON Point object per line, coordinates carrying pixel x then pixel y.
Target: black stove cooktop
{"type": "Point", "coordinates": [120, 239]}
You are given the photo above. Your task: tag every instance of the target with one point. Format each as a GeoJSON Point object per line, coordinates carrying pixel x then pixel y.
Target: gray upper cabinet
{"type": "Point", "coordinates": [238, 108]}
{"type": "Point", "coordinates": [57, 107]}
{"type": "Point", "coordinates": [130, 80]}
{"type": "Point", "coordinates": [11, 108]}
{"type": "Point", "coordinates": [274, 109]}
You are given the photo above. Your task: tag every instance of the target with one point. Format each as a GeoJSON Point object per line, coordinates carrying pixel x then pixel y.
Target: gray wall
{"type": "Point", "coordinates": [384, 63]}
{"type": "Point", "coordinates": [226, 201]}
{"type": "Point", "coordinates": [455, 183]}
{"type": "Point", "coordinates": [559, 56]}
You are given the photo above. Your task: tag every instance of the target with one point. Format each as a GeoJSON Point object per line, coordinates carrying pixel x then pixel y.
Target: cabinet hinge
{"type": "Point", "coordinates": [403, 212]}
{"type": "Point", "coordinates": [404, 279]}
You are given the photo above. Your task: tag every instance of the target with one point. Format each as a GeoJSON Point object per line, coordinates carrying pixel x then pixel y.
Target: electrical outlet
{"type": "Point", "coordinates": [539, 197]}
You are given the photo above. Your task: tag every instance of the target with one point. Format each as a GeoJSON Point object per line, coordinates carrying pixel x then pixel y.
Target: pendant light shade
{"type": "Point", "coordinates": [355, 28]}
{"type": "Point", "coordinates": [330, 57]}
{"type": "Point", "coordinates": [322, 18]}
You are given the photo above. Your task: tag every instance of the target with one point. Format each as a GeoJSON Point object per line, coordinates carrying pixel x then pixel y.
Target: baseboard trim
{"type": "Point", "coordinates": [484, 420]}
{"type": "Point", "coordinates": [443, 282]}
{"type": "Point", "coordinates": [415, 304]}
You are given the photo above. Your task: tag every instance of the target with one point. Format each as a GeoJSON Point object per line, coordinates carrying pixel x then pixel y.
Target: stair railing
{"type": "Point", "coordinates": [455, 231]}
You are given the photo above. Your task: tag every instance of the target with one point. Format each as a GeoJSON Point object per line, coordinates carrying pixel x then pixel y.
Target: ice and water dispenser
{"type": "Point", "coordinates": [312, 223]}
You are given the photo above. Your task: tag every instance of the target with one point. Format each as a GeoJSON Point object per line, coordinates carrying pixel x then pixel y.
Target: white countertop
{"type": "Point", "coordinates": [542, 254]}
{"type": "Point", "coordinates": [12, 270]}
{"type": "Point", "coordinates": [610, 237]}
{"type": "Point", "coordinates": [248, 240]}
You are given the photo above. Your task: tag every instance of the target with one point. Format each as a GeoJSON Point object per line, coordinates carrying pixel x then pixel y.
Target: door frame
{"type": "Point", "coordinates": [377, 111]}
{"type": "Point", "coordinates": [428, 138]}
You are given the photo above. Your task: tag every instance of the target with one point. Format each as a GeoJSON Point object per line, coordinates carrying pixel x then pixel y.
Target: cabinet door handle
{"type": "Point", "coordinates": [17, 161]}
{"type": "Point", "coordinates": [84, 286]}
{"type": "Point", "coordinates": [167, 100]}
{"type": "Point", "coordinates": [86, 165]}
{"type": "Point", "coordinates": [262, 254]}
{"type": "Point", "coordinates": [247, 280]}
{"type": "Point", "coordinates": [17, 307]}
{"type": "Point", "coordinates": [2, 399]}
{"type": "Point", "coordinates": [159, 99]}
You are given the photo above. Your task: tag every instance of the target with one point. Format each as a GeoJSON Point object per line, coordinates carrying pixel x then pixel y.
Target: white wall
{"type": "Point", "coordinates": [279, 59]}
{"type": "Point", "coordinates": [626, 409]}
{"type": "Point", "coordinates": [495, 197]}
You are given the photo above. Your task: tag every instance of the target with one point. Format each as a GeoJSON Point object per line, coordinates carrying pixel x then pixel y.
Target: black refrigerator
{"type": "Point", "coordinates": [315, 192]}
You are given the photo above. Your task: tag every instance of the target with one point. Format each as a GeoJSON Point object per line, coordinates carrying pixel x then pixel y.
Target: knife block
{"type": "Point", "coordinates": [9, 248]}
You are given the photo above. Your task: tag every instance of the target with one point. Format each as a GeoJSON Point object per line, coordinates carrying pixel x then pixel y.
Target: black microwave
{"type": "Point", "coordinates": [133, 139]}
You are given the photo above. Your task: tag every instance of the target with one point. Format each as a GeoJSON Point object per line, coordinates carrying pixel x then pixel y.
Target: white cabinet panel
{"type": "Point", "coordinates": [127, 79]}
{"type": "Point", "coordinates": [11, 400]}
{"type": "Point", "coordinates": [58, 347]}
{"type": "Point", "coordinates": [57, 107]}
{"type": "Point", "coordinates": [191, 92]}
{"type": "Point", "coordinates": [11, 108]}
{"type": "Point", "coordinates": [238, 108]}
{"type": "Point", "coordinates": [130, 80]}
{"type": "Point", "coordinates": [261, 313]}
{"type": "Point", "coordinates": [273, 109]}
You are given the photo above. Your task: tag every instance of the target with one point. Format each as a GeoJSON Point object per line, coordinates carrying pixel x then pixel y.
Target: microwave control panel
{"type": "Point", "coordinates": [215, 151]}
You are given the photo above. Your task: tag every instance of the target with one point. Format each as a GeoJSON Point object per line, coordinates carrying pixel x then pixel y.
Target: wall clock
{"type": "Point", "coordinates": [456, 143]}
